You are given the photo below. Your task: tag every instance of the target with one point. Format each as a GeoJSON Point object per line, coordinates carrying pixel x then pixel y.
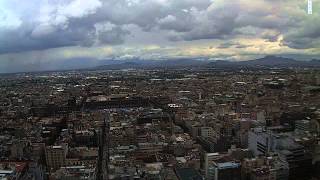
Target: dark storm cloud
{"type": "Point", "coordinates": [57, 30]}
{"type": "Point", "coordinates": [27, 39]}
{"type": "Point", "coordinates": [307, 35]}
{"type": "Point", "coordinates": [72, 22]}
{"type": "Point", "coordinates": [60, 23]}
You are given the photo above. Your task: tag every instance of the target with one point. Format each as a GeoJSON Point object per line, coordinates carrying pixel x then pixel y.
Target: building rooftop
{"type": "Point", "coordinates": [187, 174]}
{"type": "Point", "coordinates": [228, 165]}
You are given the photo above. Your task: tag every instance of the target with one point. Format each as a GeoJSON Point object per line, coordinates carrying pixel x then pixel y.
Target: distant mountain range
{"type": "Point", "coordinates": [112, 64]}
{"type": "Point", "coordinates": [267, 61]}
{"type": "Point", "coordinates": [173, 63]}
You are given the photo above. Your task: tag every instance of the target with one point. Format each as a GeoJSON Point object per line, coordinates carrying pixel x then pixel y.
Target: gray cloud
{"type": "Point", "coordinates": [307, 35]}
{"type": "Point", "coordinates": [62, 23]}
{"type": "Point", "coordinates": [113, 36]}
{"type": "Point", "coordinates": [27, 39]}
{"type": "Point", "coordinates": [58, 25]}
{"type": "Point", "coordinates": [226, 45]}
{"type": "Point", "coordinates": [42, 24]}
{"type": "Point", "coordinates": [232, 45]}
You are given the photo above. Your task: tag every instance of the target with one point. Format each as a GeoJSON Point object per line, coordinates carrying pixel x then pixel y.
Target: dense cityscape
{"type": "Point", "coordinates": [159, 89]}
{"type": "Point", "coordinates": [178, 123]}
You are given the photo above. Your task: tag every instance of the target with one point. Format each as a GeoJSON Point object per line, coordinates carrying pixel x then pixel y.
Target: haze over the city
{"type": "Point", "coordinates": [46, 34]}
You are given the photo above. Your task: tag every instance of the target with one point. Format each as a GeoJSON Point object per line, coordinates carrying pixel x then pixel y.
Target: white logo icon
{"type": "Point", "coordinates": [309, 6]}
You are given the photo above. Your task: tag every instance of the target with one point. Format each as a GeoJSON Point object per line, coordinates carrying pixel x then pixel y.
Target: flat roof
{"type": "Point", "coordinates": [6, 171]}
{"type": "Point", "coordinates": [187, 174]}
{"type": "Point", "coordinates": [228, 165]}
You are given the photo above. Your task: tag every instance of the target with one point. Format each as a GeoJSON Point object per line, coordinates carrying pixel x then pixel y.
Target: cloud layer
{"type": "Point", "coordinates": [33, 26]}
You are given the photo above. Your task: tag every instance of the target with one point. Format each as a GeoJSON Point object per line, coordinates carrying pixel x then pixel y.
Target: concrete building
{"type": "Point", "coordinates": [206, 132]}
{"type": "Point", "coordinates": [302, 125]}
{"type": "Point", "coordinates": [265, 168]}
{"type": "Point", "coordinates": [208, 159]}
{"type": "Point", "coordinates": [264, 142]}
{"type": "Point", "coordinates": [74, 173]}
{"type": "Point", "coordinates": [187, 173]}
{"type": "Point", "coordinates": [224, 171]}
{"type": "Point", "coordinates": [56, 156]}
{"type": "Point", "coordinates": [260, 141]}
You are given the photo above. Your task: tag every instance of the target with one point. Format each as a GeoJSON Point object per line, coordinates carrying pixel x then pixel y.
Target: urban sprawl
{"type": "Point", "coordinates": [166, 124]}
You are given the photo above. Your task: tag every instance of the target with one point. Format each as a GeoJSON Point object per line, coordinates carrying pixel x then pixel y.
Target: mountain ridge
{"type": "Point", "coordinates": [115, 64]}
{"type": "Point", "coordinates": [267, 61]}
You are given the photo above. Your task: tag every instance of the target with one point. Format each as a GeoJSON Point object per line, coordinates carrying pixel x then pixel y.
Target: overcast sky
{"type": "Point", "coordinates": [34, 32]}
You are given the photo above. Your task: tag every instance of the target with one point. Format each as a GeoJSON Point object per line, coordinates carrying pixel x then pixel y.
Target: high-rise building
{"type": "Point", "coordinates": [263, 142]}
{"type": "Point", "coordinates": [208, 159]}
{"type": "Point", "coordinates": [259, 141]}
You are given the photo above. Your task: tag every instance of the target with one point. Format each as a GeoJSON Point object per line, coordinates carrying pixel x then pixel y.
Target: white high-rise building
{"type": "Point", "coordinates": [209, 158]}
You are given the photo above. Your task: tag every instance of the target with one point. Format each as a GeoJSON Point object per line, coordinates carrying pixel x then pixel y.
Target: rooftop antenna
{"type": "Point", "coordinates": [200, 96]}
